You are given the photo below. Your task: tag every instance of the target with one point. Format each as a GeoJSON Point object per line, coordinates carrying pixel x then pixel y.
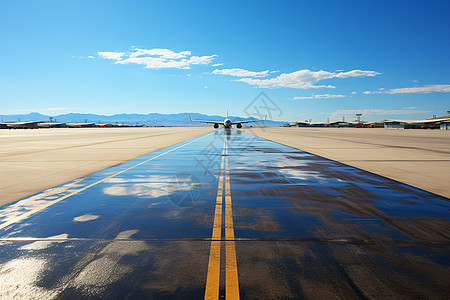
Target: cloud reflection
{"type": "Point", "coordinates": [106, 269]}
{"type": "Point", "coordinates": [18, 279]}
{"type": "Point", "coordinates": [16, 209]}
{"type": "Point", "coordinates": [289, 167]}
{"type": "Point", "coordinates": [152, 186]}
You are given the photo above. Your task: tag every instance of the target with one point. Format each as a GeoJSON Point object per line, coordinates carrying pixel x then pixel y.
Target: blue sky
{"type": "Point", "coordinates": [314, 59]}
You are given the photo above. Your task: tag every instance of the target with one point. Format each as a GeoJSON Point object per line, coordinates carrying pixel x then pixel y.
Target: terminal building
{"type": "Point", "coordinates": [41, 124]}
{"type": "Point", "coordinates": [445, 125]}
{"type": "Point", "coordinates": [431, 123]}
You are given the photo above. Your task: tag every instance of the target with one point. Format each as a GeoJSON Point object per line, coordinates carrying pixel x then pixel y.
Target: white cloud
{"type": "Point", "coordinates": [353, 93]}
{"type": "Point", "coordinates": [240, 73]}
{"type": "Point", "coordinates": [112, 55]}
{"type": "Point", "coordinates": [305, 79]}
{"type": "Point", "coordinates": [216, 65]}
{"type": "Point", "coordinates": [323, 96]}
{"type": "Point", "coordinates": [372, 112]}
{"type": "Point", "coordinates": [356, 73]}
{"type": "Point", "coordinates": [441, 88]}
{"type": "Point", "coordinates": [201, 60]}
{"type": "Point", "coordinates": [158, 58]}
{"type": "Point", "coordinates": [303, 98]}
{"type": "Point", "coordinates": [57, 108]}
{"type": "Point", "coordinates": [380, 91]}
{"type": "Point", "coordinates": [90, 56]}
{"type": "Point", "coordinates": [374, 92]}
{"type": "Point", "coordinates": [48, 110]}
{"type": "Point", "coordinates": [163, 53]}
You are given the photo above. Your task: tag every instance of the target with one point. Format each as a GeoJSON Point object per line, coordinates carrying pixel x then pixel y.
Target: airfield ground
{"type": "Point", "coordinates": [420, 158]}
{"type": "Point", "coordinates": [33, 160]}
{"type": "Point", "coordinates": [227, 214]}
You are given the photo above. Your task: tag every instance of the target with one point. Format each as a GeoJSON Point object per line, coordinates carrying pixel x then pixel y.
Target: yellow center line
{"type": "Point", "coordinates": [213, 277]}
{"type": "Point", "coordinates": [231, 273]}
{"type": "Point", "coordinates": [31, 212]}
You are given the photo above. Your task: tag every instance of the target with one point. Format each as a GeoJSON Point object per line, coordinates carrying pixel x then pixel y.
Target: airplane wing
{"type": "Point", "coordinates": [201, 121]}
{"type": "Point", "coordinates": [245, 122]}
{"type": "Point", "coordinates": [209, 122]}
{"type": "Point", "coordinates": [248, 121]}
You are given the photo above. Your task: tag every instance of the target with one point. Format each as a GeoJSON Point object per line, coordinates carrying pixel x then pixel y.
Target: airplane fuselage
{"type": "Point", "coordinates": [227, 123]}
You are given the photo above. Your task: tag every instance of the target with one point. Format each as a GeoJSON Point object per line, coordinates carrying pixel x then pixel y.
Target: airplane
{"type": "Point", "coordinates": [227, 123]}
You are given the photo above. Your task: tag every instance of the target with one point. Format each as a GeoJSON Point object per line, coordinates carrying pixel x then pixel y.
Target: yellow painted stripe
{"type": "Point", "coordinates": [212, 281]}
{"type": "Point", "coordinates": [31, 212]}
{"type": "Point", "coordinates": [231, 272]}
{"type": "Point", "coordinates": [213, 276]}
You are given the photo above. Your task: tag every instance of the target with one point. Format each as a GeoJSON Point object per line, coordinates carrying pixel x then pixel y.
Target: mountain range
{"type": "Point", "coordinates": [151, 119]}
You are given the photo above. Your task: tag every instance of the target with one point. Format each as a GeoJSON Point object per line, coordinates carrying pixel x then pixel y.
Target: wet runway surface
{"type": "Point", "coordinates": [227, 215]}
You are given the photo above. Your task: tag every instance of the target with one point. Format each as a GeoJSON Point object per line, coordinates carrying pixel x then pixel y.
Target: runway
{"type": "Point", "coordinates": [227, 215]}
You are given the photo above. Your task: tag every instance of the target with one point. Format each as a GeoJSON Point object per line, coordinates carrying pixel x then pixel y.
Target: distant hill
{"type": "Point", "coordinates": [151, 119]}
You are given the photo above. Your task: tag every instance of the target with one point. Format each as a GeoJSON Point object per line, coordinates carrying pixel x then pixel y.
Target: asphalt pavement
{"type": "Point", "coordinates": [227, 215]}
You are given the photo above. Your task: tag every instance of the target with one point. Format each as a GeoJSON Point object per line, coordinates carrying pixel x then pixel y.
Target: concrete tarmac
{"type": "Point", "coordinates": [33, 160]}
{"type": "Point", "coordinates": [227, 214]}
{"type": "Point", "coordinates": [417, 157]}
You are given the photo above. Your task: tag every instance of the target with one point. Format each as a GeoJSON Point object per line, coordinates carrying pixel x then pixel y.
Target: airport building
{"type": "Point", "coordinates": [40, 124]}
{"type": "Point", "coordinates": [394, 124]}
{"type": "Point", "coordinates": [431, 123]}
{"type": "Point", "coordinates": [445, 125]}
{"type": "Point", "coordinates": [52, 125]}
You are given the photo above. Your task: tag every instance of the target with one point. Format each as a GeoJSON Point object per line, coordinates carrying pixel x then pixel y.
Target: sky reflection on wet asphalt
{"type": "Point", "coordinates": [305, 227]}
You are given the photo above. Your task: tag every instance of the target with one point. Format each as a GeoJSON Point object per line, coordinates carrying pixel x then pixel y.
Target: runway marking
{"type": "Point", "coordinates": [31, 212]}
{"type": "Point", "coordinates": [231, 273]}
{"type": "Point", "coordinates": [213, 277]}
{"type": "Point", "coordinates": [318, 241]}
